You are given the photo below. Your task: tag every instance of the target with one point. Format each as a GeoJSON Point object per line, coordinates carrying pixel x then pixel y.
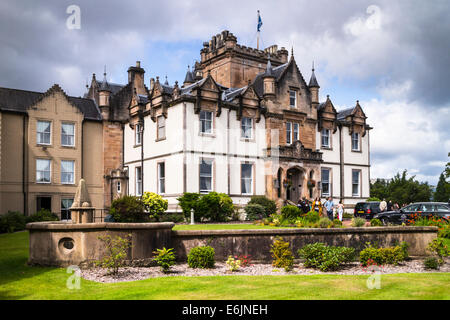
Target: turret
{"type": "Point", "coordinates": [269, 81]}
{"type": "Point", "coordinates": [189, 79]}
{"type": "Point", "coordinates": [104, 93]}
{"type": "Point", "coordinates": [314, 88]}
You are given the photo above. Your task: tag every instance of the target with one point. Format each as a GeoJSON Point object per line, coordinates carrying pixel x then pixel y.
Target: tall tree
{"type": "Point", "coordinates": [442, 192]}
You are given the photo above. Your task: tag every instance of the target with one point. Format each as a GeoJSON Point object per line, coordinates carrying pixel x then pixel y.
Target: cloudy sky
{"type": "Point", "coordinates": [391, 56]}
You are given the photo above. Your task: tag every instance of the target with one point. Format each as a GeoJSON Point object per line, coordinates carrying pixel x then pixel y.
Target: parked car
{"type": "Point", "coordinates": [367, 209]}
{"type": "Point", "coordinates": [424, 209]}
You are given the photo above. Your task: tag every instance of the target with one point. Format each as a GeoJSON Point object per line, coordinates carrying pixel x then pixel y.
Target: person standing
{"type": "Point", "coordinates": [383, 205]}
{"type": "Point", "coordinates": [390, 206]}
{"type": "Point", "coordinates": [340, 210]}
{"type": "Point", "coordinates": [329, 205]}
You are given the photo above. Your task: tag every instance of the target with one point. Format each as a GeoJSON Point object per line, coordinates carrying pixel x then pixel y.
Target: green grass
{"type": "Point", "coordinates": [19, 281]}
{"type": "Point", "coordinates": [225, 226]}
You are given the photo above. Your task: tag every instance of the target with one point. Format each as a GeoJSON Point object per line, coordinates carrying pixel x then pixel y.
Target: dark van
{"type": "Point", "coordinates": [367, 209]}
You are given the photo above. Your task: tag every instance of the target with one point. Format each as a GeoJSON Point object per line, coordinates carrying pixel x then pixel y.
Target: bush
{"type": "Point", "coordinates": [373, 199]}
{"type": "Point", "coordinates": [337, 223]}
{"type": "Point", "coordinates": [312, 216]}
{"type": "Point", "coordinates": [245, 260]}
{"type": "Point", "coordinates": [188, 201]}
{"type": "Point", "coordinates": [254, 211]}
{"type": "Point", "coordinates": [116, 252]}
{"type": "Point", "coordinates": [233, 263]}
{"type": "Point", "coordinates": [431, 263]}
{"type": "Point", "coordinates": [172, 217]}
{"type": "Point", "coordinates": [128, 209]}
{"type": "Point", "coordinates": [282, 254]}
{"type": "Point", "coordinates": [439, 248]}
{"type": "Point", "coordinates": [215, 207]}
{"type": "Point", "coordinates": [12, 221]}
{"type": "Point", "coordinates": [165, 258]}
{"type": "Point", "coordinates": [444, 232]}
{"type": "Point", "coordinates": [380, 256]}
{"type": "Point", "coordinates": [358, 222]}
{"type": "Point", "coordinates": [375, 223]}
{"type": "Point", "coordinates": [201, 257]}
{"type": "Point", "coordinates": [325, 258]}
{"type": "Point", "coordinates": [290, 212]}
{"type": "Point", "coordinates": [42, 215]}
{"type": "Point", "coordinates": [270, 207]}
{"type": "Point", "coordinates": [154, 204]}
{"type": "Point", "coordinates": [325, 223]}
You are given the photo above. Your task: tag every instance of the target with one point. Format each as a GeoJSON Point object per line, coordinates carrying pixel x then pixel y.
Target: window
{"type": "Point", "coordinates": [355, 141]}
{"type": "Point", "coordinates": [288, 132]}
{"type": "Point", "coordinates": [355, 182]}
{"type": "Point", "coordinates": [246, 126]}
{"type": "Point", "coordinates": [442, 208]}
{"type": "Point", "coordinates": [326, 185]}
{"type": "Point", "coordinates": [205, 175]}
{"type": "Point", "coordinates": [68, 134]}
{"type": "Point", "coordinates": [296, 127]}
{"type": "Point", "coordinates": [67, 171]}
{"type": "Point", "coordinates": [65, 206]}
{"type": "Point", "coordinates": [411, 208]}
{"type": "Point", "coordinates": [43, 132]}
{"type": "Point", "coordinates": [43, 171]}
{"type": "Point", "coordinates": [326, 138]}
{"type": "Point", "coordinates": [138, 134]}
{"type": "Point", "coordinates": [119, 187]}
{"type": "Point", "coordinates": [43, 203]}
{"type": "Point", "coordinates": [205, 121]}
{"type": "Point", "coordinates": [293, 98]}
{"type": "Point", "coordinates": [161, 127]}
{"type": "Point", "coordinates": [161, 178]}
{"type": "Point", "coordinates": [246, 178]}
{"type": "Point", "coordinates": [138, 191]}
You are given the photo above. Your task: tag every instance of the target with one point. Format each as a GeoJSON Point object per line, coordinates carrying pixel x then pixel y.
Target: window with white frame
{"type": "Point", "coordinates": [246, 127]}
{"type": "Point", "coordinates": [206, 118]}
{"type": "Point", "coordinates": [67, 171]}
{"type": "Point", "coordinates": [356, 182]}
{"type": "Point", "coordinates": [326, 184]}
{"type": "Point", "coordinates": [206, 174]}
{"type": "Point", "coordinates": [295, 132]}
{"type": "Point", "coordinates": [161, 127]}
{"type": "Point", "coordinates": [293, 98]}
{"type": "Point", "coordinates": [325, 138]}
{"type": "Point", "coordinates": [288, 132]}
{"type": "Point", "coordinates": [43, 132]}
{"type": "Point", "coordinates": [68, 134]}
{"type": "Point", "coordinates": [161, 177]}
{"type": "Point", "coordinates": [246, 178]}
{"type": "Point", "coordinates": [355, 141]}
{"type": "Point", "coordinates": [138, 190]}
{"type": "Point", "coordinates": [138, 134]}
{"type": "Point", "coordinates": [65, 206]}
{"type": "Point", "coordinates": [43, 170]}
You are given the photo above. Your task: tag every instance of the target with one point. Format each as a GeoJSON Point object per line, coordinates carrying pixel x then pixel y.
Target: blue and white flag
{"type": "Point", "coordinates": [259, 21]}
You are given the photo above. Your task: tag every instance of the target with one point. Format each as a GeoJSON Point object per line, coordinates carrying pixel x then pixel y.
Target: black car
{"type": "Point", "coordinates": [424, 209]}
{"type": "Point", "coordinates": [367, 209]}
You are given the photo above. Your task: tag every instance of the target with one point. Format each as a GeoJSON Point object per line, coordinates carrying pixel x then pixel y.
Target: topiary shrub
{"type": "Point", "coordinates": [325, 258]}
{"type": "Point", "coordinates": [375, 223]}
{"type": "Point", "coordinates": [215, 207]}
{"type": "Point", "coordinates": [290, 212]}
{"type": "Point", "coordinates": [42, 215]}
{"type": "Point", "coordinates": [380, 256]}
{"type": "Point", "coordinates": [254, 211]}
{"type": "Point", "coordinates": [128, 209]}
{"type": "Point", "coordinates": [270, 207]}
{"type": "Point", "coordinates": [201, 257]}
{"type": "Point", "coordinates": [282, 254]}
{"type": "Point", "coordinates": [358, 222]}
{"type": "Point", "coordinates": [165, 258]}
{"type": "Point", "coordinates": [325, 223]}
{"type": "Point", "coordinates": [189, 201]}
{"type": "Point", "coordinates": [154, 204]}
{"type": "Point", "coordinates": [12, 221]}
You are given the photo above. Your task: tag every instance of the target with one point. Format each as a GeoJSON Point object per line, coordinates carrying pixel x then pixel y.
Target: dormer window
{"type": "Point", "coordinates": [293, 98]}
{"type": "Point", "coordinates": [355, 141]}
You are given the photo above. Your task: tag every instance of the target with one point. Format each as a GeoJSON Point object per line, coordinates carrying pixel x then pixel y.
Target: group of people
{"type": "Point", "coordinates": [389, 206]}
{"type": "Point", "coordinates": [317, 205]}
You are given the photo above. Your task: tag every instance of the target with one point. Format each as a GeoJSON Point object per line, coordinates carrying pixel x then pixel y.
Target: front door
{"type": "Point", "coordinates": [294, 188]}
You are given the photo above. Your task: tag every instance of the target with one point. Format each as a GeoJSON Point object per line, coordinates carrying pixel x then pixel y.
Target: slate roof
{"type": "Point", "coordinates": [341, 115]}
{"type": "Point", "coordinates": [114, 87]}
{"type": "Point", "coordinates": [231, 93]}
{"type": "Point", "coordinates": [20, 100]}
{"type": "Point", "coordinates": [276, 72]}
{"type": "Point", "coordinates": [313, 81]}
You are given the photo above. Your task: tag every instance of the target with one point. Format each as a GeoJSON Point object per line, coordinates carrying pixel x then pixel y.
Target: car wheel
{"type": "Point", "coordinates": [384, 221]}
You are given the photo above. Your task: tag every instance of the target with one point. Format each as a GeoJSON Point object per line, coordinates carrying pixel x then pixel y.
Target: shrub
{"type": "Point", "coordinates": [325, 258]}
{"type": "Point", "coordinates": [254, 211]}
{"type": "Point", "coordinates": [42, 215]}
{"type": "Point", "coordinates": [165, 258]}
{"type": "Point", "coordinates": [154, 204]}
{"type": "Point", "coordinates": [337, 223]}
{"type": "Point", "coordinates": [270, 207]}
{"type": "Point", "coordinates": [290, 212]}
{"type": "Point", "coordinates": [172, 217]}
{"type": "Point", "coordinates": [373, 199]}
{"type": "Point", "coordinates": [12, 221]}
{"type": "Point", "coordinates": [245, 260]}
{"type": "Point", "coordinates": [233, 263]}
{"type": "Point", "coordinates": [431, 263]}
{"type": "Point", "coordinates": [347, 215]}
{"type": "Point", "coordinates": [439, 248]}
{"type": "Point", "coordinates": [201, 257]}
{"type": "Point", "coordinates": [116, 252]}
{"type": "Point", "coordinates": [282, 254]}
{"type": "Point", "coordinates": [312, 216]}
{"type": "Point", "coordinates": [325, 223]}
{"type": "Point", "coordinates": [128, 209]}
{"type": "Point", "coordinates": [215, 207]}
{"type": "Point", "coordinates": [444, 232]}
{"type": "Point", "coordinates": [375, 223]}
{"type": "Point", "coordinates": [188, 201]}
{"type": "Point", "coordinates": [380, 256]}
{"type": "Point", "coordinates": [358, 222]}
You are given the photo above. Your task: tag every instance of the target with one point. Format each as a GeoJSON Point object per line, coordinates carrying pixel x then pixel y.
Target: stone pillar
{"type": "Point", "coordinates": [81, 209]}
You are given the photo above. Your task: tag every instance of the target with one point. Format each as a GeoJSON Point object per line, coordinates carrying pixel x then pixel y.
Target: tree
{"type": "Point", "coordinates": [442, 193]}
{"type": "Point", "coordinates": [379, 189]}
{"type": "Point", "coordinates": [447, 168]}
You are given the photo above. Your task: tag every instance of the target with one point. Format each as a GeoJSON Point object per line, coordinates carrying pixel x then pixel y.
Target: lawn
{"type": "Point", "coordinates": [19, 281]}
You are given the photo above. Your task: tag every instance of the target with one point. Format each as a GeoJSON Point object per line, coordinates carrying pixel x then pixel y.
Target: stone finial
{"type": "Point", "coordinates": [82, 199]}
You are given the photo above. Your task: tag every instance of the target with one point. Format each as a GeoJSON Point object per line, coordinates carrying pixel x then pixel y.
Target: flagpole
{"type": "Point", "coordinates": [257, 37]}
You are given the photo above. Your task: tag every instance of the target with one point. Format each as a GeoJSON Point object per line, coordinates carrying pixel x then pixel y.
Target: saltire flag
{"type": "Point", "coordinates": [259, 21]}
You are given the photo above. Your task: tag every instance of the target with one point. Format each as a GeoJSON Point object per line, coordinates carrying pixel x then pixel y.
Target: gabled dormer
{"type": "Point", "coordinates": [355, 118]}
{"type": "Point", "coordinates": [327, 116]}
